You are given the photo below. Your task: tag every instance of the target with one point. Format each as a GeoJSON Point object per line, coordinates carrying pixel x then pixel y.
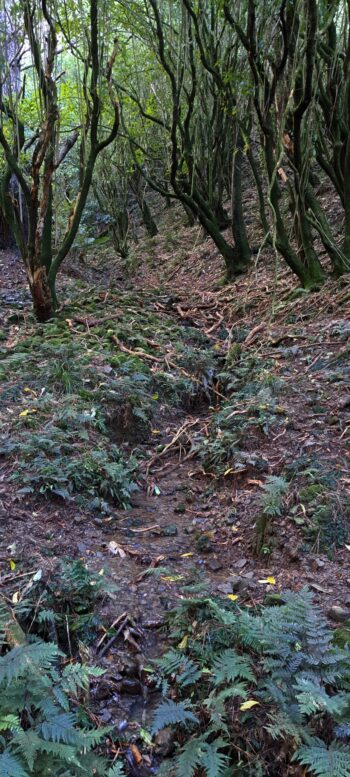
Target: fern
{"type": "Point", "coordinates": [230, 666]}
{"type": "Point", "coordinates": [22, 660]}
{"type": "Point", "coordinates": [325, 762]}
{"type": "Point", "coordinates": [199, 753]}
{"type": "Point", "coordinates": [168, 713]}
{"type": "Point", "coordinates": [300, 683]}
{"type": "Point", "coordinates": [116, 771]}
{"type": "Point", "coordinates": [10, 766]}
{"type": "Point", "coordinates": [184, 669]}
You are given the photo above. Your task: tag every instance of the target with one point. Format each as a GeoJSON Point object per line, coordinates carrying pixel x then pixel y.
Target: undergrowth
{"type": "Point", "coordinates": [45, 723]}
{"type": "Point", "coordinates": [252, 692]}
{"type": "Point", "coordinates": [76, 403]}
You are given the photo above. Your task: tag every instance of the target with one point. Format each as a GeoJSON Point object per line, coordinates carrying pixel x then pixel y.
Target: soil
{"type": "Point", "coordinates": [193, 528]}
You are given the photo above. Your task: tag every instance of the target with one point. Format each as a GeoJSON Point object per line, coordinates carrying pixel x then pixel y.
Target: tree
{"type": "Point", "coordinates": [33, 155]}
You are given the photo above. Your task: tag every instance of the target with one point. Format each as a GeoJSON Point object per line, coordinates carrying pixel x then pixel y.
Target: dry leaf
{"type": "Point", "coordinates": [247, 705]}
{"type": "Point", "coordinates": [232, 597]}
{"type": "Point", "coordinates": [183, 644]}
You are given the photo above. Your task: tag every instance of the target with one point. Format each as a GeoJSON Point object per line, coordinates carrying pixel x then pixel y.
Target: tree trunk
{"type": "Point", "coordinates": [44, 296]}
{"type": "Point", "coordinates": [147, 218]}
{"type": "Point", "coordinates": [238, 226]}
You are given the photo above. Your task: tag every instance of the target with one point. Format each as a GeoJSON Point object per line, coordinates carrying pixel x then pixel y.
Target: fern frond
{"type": "Point", "coordinates": [170, 714]}
{"type": "Point", "coordinates": [230, 666]}
{"type": "Point", "coordinates": [21, 660]}
{"type": "Point", "coordinates": [10, 766]}
{"type": "Point", "coordinates": [116, 770]}
{"type": "Point", "coordinates": [325, 762]}
{"type": "Point", "coordinates": [200, 753]}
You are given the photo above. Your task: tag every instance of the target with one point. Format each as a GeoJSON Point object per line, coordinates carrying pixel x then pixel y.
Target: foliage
{"type": "Point", "coordinates": [41, 734]}
{"type": "Point", "coordinates": [275, 670]}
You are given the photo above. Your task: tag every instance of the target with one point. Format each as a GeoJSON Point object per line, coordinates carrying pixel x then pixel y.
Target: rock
{"type": "Point", "coordinates": [225, 588]}
{"type": "Point", "coordinates": [105, 716]}
{"type": "Point", "coordinates": [180, 508]}
{"type": "Point", "coordinates": [204, 544]}
{"type": "Point", "coordinates": [241, 563]}
{"type": "Point", "coordinates": [231, 517]}
{"type": "Point", "coordinates": [164, 742]}
{"type": "Point", "coordinates": [237, 583]}
{"type": "Point", "coordinates": [103, 690]}
{"type": "Point", "coordinates": [214, 565]}
{"type": "Point", "coordinates": [169, 531]}
{"type": "Point", "coordinates": [338, 614]}
{"type": "Point", "coordinates": [319, 563]}
{"type": "Point", "coordinates": [130, 687]}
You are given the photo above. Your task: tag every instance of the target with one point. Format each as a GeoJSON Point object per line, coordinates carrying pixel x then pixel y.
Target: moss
{"type": "Point", "coordinates": [341, 636]}
{"type": "Point", "coordinates": [309, 493]}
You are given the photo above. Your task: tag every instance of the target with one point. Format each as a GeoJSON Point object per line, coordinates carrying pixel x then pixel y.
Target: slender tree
{"type": "Point", "coordinates": [44, 35]}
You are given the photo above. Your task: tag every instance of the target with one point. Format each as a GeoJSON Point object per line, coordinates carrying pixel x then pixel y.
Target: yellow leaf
{"type": "Point", "coordinates": [227, 471]}
{"type": "Point", "coordinates": [26, 412]}
{"type": "Point", "coordinates": [156, 431]}
{"type": "Point", "coordinates": [15, 597]}
{"type": "Point", "coordinates": [183, 644]}
{"type": "Point", "coordinates": [172, 578]}
{"type": "Point", "coordinates": [186, 555]}
{"type": "Point", "coordinates": [12, 564]}
{"type": "Point", "coordinates": [233, 597]}
{"type": "Point", "coordinates": [234, 528]}
{"type": "Point", "coordinates": [270, 580]}
{"type": "Point", "coordinates": [101, 572]}
{"type": "Point", "coordinates": [247, 705]}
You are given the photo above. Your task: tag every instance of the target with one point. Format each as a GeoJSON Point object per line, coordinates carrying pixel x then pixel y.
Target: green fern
{"type": "Point", "coordinates": [230, 666]}
{"type": "Point", "coordinates": [323, 761]}
{"type": "Point", "coordinates": [10, 766]}
{"type": "Point", "coordinates": [200, 753]}
{"type": "Point", "coordinates": [168, 713]}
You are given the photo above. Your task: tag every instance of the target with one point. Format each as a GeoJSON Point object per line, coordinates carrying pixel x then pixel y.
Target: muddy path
{"type": "Point", "coordinates": [190, 530]}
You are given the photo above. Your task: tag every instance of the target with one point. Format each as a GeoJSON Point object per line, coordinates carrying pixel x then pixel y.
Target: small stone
{"type": "Point", "coordinates": [214, 565]}
{"type": "Point", "coordinates": [204, 544]}
{"type": "Point", "coordinates": [338, 614]}
{"type": "Point", "coordinates": [130, 687]}
{"type": "Point", "coordinates": [103, 690]}
{"type": "Point", "coordinates": [241, 563]}
{"type": "Point", "coordinates": [225, 588]}
{"type": "Point", "coordinates": [319, 563]}
{"type": "Point", "coordinates": [164, 742]}
{"type": "Point", "coordinates": [169, 531]}
{"type": "Point", "coordinates": [180, 508]}
{"type": "Point", "coordinates": [231, 517]}
{"type": "Point", "coordinates": [105, 716]}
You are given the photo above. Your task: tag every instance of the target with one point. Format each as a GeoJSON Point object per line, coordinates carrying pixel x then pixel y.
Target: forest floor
{"type": "Point", "coordinates": [229, 410]}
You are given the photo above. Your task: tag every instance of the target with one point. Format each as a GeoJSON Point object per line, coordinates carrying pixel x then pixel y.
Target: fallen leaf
{"type": "Point", "coordinates": [12, 564]}
{"type": "Point", "coordinates": [187, 555]}
{"type": "Point", "coordinates": [136, 753]}
{"type": "Point", "coordinates": [247, 705]}
{"type": "Point", "coordinates": [15, 597]}
{"type": "Point", "coordinates": [172, 578]}
{"type": "Point", "coordinates": [270, 580]}
{"type": "Point", "coordinates": [183, 644]}
{"type": "Point", "coordinates": [26, 412]}
{"type": "Point", "coordinates": [233, 597]}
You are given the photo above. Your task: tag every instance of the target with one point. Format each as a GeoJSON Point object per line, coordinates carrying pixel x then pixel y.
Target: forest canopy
{"type": "Point", "coordinates": [178, 96]}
